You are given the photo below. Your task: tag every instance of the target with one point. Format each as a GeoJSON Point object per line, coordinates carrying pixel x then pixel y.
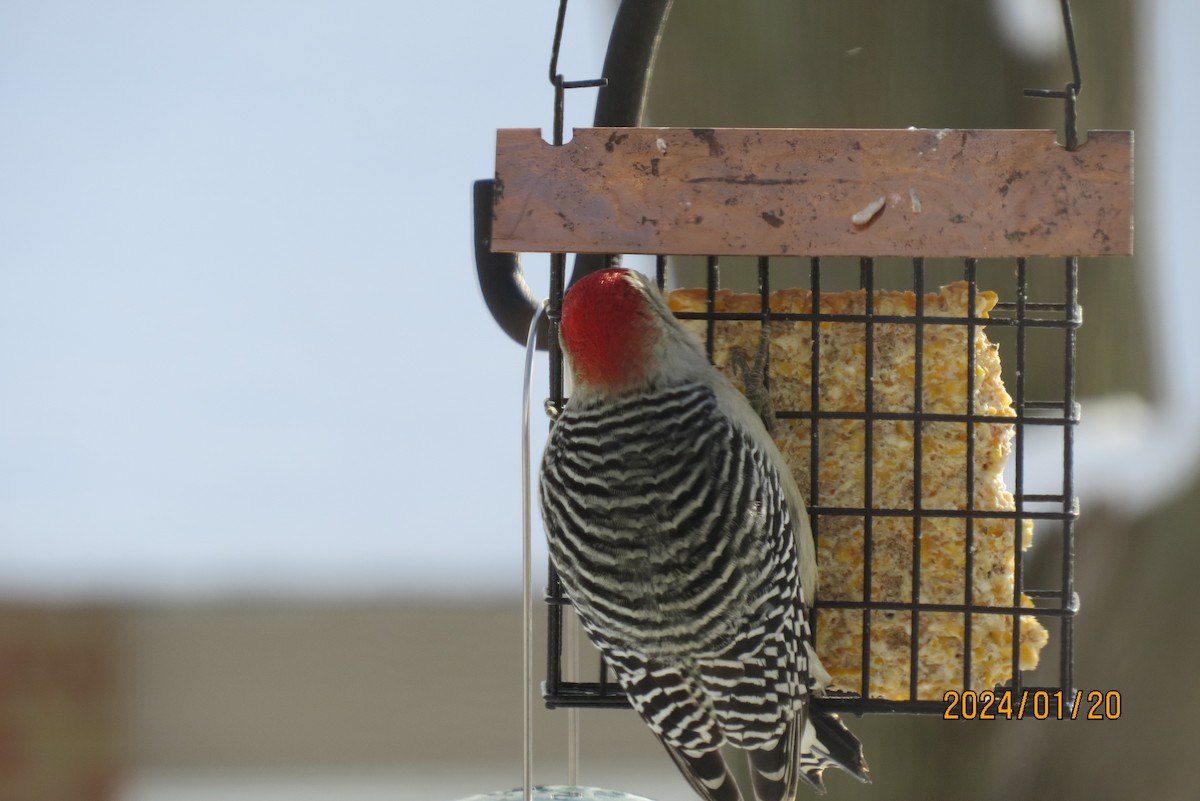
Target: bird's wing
{"type": "Point", "coordinates": [757, 690]}
{"type": "Point", "coordinates": [677, 710]}
{"type": "Point", "coordinates": [751, 423]}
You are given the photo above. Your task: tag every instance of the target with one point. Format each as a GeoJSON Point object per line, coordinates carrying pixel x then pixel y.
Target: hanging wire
{"type": "Point", "coordinates": [1071, 91]}
{"type": "Point", "coordinates": [558, 32]}
{"type": "Point", "coordinates": [573, 712]}
{"type": "Point", "coordinates": [556, 79]}
{"type": "Point", "coordinates": [527, 558]}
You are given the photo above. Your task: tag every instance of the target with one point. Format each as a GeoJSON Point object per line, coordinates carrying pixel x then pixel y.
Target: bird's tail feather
{"type": "Point", "coordinates": [708, 775]}
{"type": "Point", "coordinates": [827, 743]}
{"type": "Point", "coordinates": [773, 770]}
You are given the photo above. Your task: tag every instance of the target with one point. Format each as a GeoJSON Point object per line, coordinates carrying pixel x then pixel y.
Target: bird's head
{"type": "Point", "coordinates": [619, 335]}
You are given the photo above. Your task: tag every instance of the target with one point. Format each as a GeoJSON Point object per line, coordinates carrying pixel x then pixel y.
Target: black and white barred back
{"type": "Point", "coordinates": [672, 536]}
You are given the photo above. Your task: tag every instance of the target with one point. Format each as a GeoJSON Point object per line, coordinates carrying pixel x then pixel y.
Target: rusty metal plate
{"type": "Point", "coordinates": [814, 192]}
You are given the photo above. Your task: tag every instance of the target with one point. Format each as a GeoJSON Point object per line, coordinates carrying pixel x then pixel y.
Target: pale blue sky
{"type": "Point", "coordinates": [242, 348]}
{"type": "Point", "coordinates": [241, 341]}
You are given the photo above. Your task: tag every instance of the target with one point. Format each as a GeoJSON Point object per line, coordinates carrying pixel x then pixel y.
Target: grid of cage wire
{"type": "Point", "coordinates": [955, 571]}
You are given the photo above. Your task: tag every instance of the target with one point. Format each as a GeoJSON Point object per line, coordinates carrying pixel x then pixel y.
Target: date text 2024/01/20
{"type": "Point", "coordinates": [1037, 704]}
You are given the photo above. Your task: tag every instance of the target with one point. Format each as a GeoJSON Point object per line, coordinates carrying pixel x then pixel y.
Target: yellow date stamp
{"type": "Point", "coordinates": [1036, 704]}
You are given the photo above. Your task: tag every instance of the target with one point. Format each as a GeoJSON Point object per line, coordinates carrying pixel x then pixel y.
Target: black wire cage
{"type": "Point", "coordinates": [1044, 323]}
{"type": "Point", "coordinates": [840, 241]}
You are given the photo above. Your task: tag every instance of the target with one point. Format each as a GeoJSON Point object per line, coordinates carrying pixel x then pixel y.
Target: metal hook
{"type": "Point", "coordinates": [1071, 91]}
{"type": "Point", "coordinates": [632, 47]}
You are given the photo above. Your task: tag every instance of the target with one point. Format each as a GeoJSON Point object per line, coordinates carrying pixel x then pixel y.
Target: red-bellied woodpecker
{"type": "Point", "coordinates": [683, 543]}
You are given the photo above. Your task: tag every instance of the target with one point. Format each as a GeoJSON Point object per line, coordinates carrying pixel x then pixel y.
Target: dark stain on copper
{"type": "Point", "coordinates": [709, 137]}
{"type": "Point", "coordinates": [771, 220]}
{"type": "Point", "coordinates": [615, 139]}
{"type": "Point", "coordinates": [746, 180]}
{"type": "Point", "coordinates": [1009, 180]}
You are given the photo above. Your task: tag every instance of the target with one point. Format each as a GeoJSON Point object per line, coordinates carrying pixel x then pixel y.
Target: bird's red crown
{"type": "Point", "coordinates": [607, 330]}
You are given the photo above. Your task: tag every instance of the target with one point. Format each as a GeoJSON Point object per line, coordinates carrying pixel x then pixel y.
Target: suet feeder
{"type": "Point", "coordinates": [905, 425]}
